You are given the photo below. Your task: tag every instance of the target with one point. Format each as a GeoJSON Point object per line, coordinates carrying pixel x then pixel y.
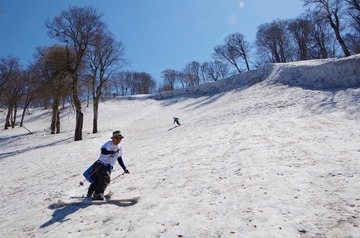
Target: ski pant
{"type": "Point", "coordinates": [102, 179]}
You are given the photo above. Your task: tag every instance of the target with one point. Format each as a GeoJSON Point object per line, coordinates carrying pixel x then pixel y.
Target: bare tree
{"type": "Point", "coordinates": [224, 53]}
{"type": "Point", "coordinates": [121, 82]}
{"type": "Point", "coordinates": [330, 10]}
{"type": "Point", "coordinates": [105, 57]}
{"type": "Point", "coordinates": [215, 70]}
{"type": "Point", "coordinates": [237, 42]}
{"type": "Point", "coordinates": [182, 79]}
{"type": "Point", "coordinates": [352, 38]}
{"type": "Point", "coordinates": [13, 90]}
{"type": "Point", "coordinates": [51, 67]}
{"type": "Point", "coordinates": [203, 72]}
{"type": "Point", "coordinates": [8, 66]}
{"type": "Point", "coordinates": [12, 87]}
{"type": "Point", "coordinates": [142, 83]}
{"type": "Point", "coordinates": [300, 31]}
{"type": "Point", "coordinates": [77, 28]}
{"type": "Point", "coordinates": [31, 87]}
{"type": "Point", "coordinates": [272, 39]}
{"type": "Point", "coordinates": [321, 35]}
{"type": "Point", "coordinates": [353, 41]}
{"type": "Point", "coordinates": [222, 68]}
{"type": "Point", "coordinates": [192, 73]}
{"type": "Point", "coordinates": [354, 12]}
{"type": "Point", "coordinates": [169, 77]}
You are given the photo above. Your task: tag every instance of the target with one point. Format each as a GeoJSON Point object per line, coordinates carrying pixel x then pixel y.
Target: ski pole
{"type": "Point", "coordinates": [117, 176]}
{"type": "Point", "coordinates": [82, 182]}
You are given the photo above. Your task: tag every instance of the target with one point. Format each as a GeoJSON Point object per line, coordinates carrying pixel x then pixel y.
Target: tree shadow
{"type": "Point", "coordinates": [12, 139]}
{"type": "Point", "coordinates": [62, 209]}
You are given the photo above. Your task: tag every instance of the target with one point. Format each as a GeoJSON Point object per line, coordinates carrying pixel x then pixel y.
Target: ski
{"type": "Point", "coordinates": [120, 202]}
{"type": "Point", "coordinates": [106, 196]}
{"type": "Point", "coordinates": [88, 201]}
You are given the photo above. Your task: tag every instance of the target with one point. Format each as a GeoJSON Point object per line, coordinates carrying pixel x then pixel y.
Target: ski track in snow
{"type": "Point", "coordinates": [268, 160]}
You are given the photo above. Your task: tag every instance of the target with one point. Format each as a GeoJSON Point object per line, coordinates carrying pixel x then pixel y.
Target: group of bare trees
{"type": "Point", "coordinates": [87, 61]}
{"type": "Point", "coordinates": [50, 71]}
{"type": "Point", "coordinates": [131, 83]}
{"type": "Point", "coordinates": [194, 74]}
{"type": "Point", "coordinates": [86, 64]}
{"type": "Point", "coordinates": [329, 28]}
{"type": "Point", "coordinates": [87, 55]}
{"type": "Point", "coordinates": [12, 86]}
{"type": "Point", "coordinates": [91, 51]}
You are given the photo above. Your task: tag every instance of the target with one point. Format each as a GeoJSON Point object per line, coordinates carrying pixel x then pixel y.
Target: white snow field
{"type": "Point", "coordinates": [273, 152]}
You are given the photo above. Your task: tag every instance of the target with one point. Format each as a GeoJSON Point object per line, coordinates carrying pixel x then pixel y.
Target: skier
{"type": "Point", "coordinates": [176, 120]}
{"type": "Point", "coordinates": [100, 173]}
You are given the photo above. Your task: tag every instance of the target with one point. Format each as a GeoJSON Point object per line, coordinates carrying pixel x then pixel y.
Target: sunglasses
{"type": "Point", "coordinates": [117, 137]}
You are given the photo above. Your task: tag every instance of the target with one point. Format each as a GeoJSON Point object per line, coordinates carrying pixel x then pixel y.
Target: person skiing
{"type": "Point", "coordinates": [99, 174]}
{"type": "Point", "coordinates": [176, 120]}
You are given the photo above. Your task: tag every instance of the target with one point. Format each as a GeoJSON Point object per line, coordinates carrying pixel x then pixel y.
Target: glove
{"type": "Point", "coordinates": [126, 171]}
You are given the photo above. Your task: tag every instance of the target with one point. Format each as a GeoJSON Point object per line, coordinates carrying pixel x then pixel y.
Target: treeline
{"type": "Point", "coordinates": [327, 29]}
{"type": "Point", "coordinates": [87, 62]}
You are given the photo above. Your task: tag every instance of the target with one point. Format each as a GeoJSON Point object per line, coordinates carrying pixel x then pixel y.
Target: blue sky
{"type": "Point", "coordinates": [157, 34]}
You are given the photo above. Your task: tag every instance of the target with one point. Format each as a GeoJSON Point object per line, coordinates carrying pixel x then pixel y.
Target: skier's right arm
{"type": "Point", "coordinates": [104, 151]}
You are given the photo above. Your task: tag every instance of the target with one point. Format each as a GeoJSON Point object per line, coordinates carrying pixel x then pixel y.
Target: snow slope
{"type": "Point", "coordinates": [270, 153]}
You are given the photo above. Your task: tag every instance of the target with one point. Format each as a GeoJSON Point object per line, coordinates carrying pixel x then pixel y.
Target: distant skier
{"type": "Point", "coordinates": [98, 174]}
{"type": "Point", "coordinates": [176, 120]}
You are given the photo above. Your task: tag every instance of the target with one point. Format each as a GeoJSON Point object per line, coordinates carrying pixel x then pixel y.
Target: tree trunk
{"type": "Point", "coordinates": [55, 116]}
{"type": "Point", "coordinates": [26, 106]}
{"type": "Point", "coordinates": [96, 109]}
{"type": "Point", "coordinates": [13, 121]}
{"type": "Point", "coordinates": [58, 122]}
{"type": "Point", "coordinates": [79, 114]}
{"type": "Point", "coordinates": [246, 62]}
{"type": "Point", "coordinates": [23, 116]}
{"type": "Point", "coordinates": [237, 67]}
{"type": "Point", "coordinates": [342, 43]}
{"type": "Point", "coordinates": [335, 25]}
{"type": "Point", "coordinates": [78, 126]}
{"type": "Point", "coordinates": [7, 120]}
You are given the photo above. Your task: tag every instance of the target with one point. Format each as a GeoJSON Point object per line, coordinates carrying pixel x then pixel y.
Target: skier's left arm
{"type": "Point", "coordinates": [121, 162]}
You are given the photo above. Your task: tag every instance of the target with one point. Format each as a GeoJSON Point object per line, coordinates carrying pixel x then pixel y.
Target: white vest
{"type": "Point", "coordinates": [112, 158]}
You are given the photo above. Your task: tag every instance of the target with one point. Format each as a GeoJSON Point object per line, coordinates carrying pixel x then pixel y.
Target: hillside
{"type": "Point", "coordinates": [270, 153]}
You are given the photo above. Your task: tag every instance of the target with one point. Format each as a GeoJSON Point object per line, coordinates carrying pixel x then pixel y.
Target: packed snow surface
{"type": "Point", "coordinates": [273, 152]}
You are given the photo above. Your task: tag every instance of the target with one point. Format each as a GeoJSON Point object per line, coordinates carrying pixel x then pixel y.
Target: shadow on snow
{"type": "Point", "coordinates": [62, 209]}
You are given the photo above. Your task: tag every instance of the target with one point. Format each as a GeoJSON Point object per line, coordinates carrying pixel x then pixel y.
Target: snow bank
{"type": "Point", "coordinates": [320, 74]}
{"type": "Point", "coordinates": [311, 74]}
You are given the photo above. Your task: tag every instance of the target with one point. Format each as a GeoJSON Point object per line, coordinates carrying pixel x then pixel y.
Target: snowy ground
{"type": "Point", "coordinates": [270, 160]}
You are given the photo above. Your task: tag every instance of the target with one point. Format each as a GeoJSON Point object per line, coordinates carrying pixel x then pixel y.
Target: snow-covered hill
{"type": "Point", "coordinates": [270, 153]}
